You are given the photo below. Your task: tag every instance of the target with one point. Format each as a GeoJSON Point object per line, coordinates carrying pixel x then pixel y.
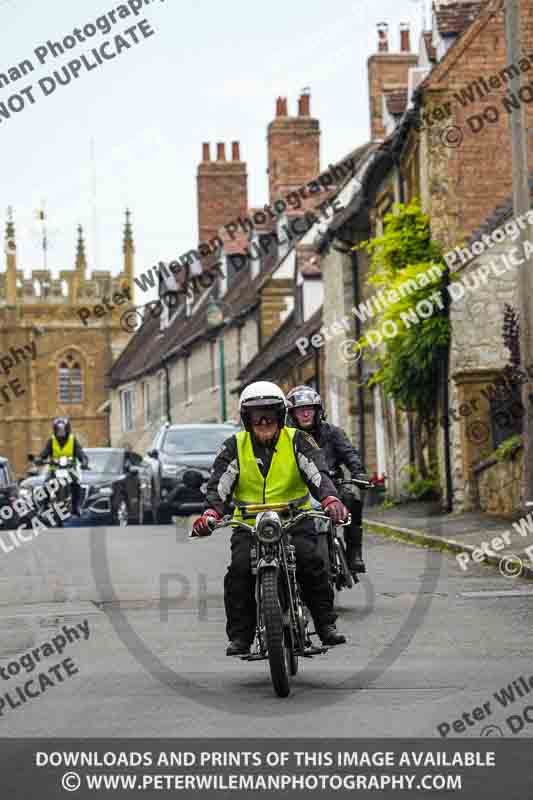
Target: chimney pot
{"type": "Point", "coordinates": [304, 105]}
{"type": "Point", "coordinates": [405, 41]}
{"type": "Point", "coordinates": [235, 152]}
{"type": "Point", "coordinates": [281, 107]}
{"type": "Point", "coordinates": [221, 151]}
{"type": "Point", "coordinates": [383, 37]}
{"type": "Point", "coordinates": [206, 155]}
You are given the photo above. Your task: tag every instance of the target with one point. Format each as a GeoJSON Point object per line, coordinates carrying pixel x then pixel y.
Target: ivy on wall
{"type": "Point", "coordinates": [408, 364]}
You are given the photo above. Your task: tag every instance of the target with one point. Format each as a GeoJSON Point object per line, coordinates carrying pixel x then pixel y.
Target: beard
{"type": "Point", "coordinates": [265, 433]}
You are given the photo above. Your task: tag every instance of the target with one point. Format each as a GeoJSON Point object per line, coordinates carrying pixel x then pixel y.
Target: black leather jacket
{"type": "Point", "coordinates": [337, 449]}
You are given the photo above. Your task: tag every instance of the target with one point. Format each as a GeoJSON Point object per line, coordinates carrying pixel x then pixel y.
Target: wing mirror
{"type": "Point", "coordinates": [153, 453]}
{"type": "Point", "coordinates": [193, 479]}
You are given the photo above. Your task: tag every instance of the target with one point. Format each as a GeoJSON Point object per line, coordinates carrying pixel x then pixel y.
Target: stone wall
{"type": "Point", "coordinates": [477, 354]}
{"type": "Point", "coordinates": [499, 486]}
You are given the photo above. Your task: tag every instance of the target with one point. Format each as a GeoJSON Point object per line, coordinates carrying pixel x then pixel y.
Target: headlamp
{"type": "Point", "coordinates": [268, 529]}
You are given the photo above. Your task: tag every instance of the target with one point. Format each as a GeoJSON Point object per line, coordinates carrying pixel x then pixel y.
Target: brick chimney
{"type": "Point", "coordinates": [222, 190]}
{"type": "Point", "coordinates": [387, 70]}
{"type": "Point", "coordinates": [293, 147]}
{"type": "Point", "coordinates": [405, 38]}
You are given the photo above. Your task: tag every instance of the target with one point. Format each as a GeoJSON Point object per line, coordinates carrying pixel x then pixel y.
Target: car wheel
{"type": "Point", "coordinates": [141, 514]}
{"type": "Point", "coordinates": [164, 516]}
{"type": "Point", "coordinates": [153, 505]}
{"type": "Point", "coordinates": [121, 512]}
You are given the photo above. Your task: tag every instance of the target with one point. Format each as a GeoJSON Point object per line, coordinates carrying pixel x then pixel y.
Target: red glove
{"type": "Point", "coordinates": [201, 527]}
{"type": "Point", "coordinates": [334, 509]}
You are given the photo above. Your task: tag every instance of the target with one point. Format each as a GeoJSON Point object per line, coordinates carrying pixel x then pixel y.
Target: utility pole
{"type": "Point", "coordinates": [521, 205]}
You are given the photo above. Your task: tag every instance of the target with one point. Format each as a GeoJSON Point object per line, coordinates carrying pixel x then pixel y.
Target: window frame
{"type": "Point", "coordinates": [128, 391]}
{"type": "Point", "coordinates": [72, 398]}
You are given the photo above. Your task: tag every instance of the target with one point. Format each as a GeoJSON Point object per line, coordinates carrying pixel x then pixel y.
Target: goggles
{"type": "Point", "coordinates": [259, 416]}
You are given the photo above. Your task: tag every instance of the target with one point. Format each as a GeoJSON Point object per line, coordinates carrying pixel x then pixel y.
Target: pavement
{"type": "Point", "coordinates": [496, 542]}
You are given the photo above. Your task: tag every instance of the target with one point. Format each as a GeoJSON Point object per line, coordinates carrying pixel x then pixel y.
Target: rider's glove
{"type": "Point", "coordinates": [201, 526]}
{"type": "Point", "coordinates": [334, 509]}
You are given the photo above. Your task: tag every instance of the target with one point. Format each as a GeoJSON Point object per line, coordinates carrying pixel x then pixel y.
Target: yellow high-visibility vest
{"type": "Point", "coordinates": [67, 449]}
{"type": "Point", "coordinates": [283, 482]}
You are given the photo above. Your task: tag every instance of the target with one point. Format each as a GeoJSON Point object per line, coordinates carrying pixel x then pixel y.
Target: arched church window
{"type": "Point", "coordinates": [70, 380]}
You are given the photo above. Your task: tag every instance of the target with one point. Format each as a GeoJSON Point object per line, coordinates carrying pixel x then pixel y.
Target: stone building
{"type": "Point", "coordinates": [484, 411]}
{"type": "Point", "coordinates": [53, 362]}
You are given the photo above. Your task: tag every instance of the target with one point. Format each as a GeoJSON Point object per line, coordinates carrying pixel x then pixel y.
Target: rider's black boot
{"type": "Point", "coordinates": [329, 635]}
{"type": "Point", "coordinates": [354, 550]}
{"type": "Point", "coordinates": [237, 647]}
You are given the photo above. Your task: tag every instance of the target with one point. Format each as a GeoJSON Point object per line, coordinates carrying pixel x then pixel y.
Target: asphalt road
{"type": "Point", "coordinates": [419, 654]}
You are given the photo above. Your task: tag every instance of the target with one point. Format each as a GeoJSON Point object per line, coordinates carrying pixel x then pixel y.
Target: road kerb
{"type": "Point", "coordinates": [436, 543]}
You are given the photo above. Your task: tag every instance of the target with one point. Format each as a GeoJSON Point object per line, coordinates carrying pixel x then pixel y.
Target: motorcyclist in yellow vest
{"type": "Point", "coordinates": [269, 462]}
{"type": "Point", "coordinates": [64, 443]}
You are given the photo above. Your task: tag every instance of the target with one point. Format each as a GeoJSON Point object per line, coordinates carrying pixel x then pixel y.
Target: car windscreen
{"type": "Point", "coordinates": [195, 440]}
{"type": "Point", "coordinates": [3, 478]}
{"type": "Point", "coordinates": [105, 460]}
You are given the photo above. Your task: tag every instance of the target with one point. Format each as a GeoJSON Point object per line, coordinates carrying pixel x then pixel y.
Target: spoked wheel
{"type": "Point", "coordinates": [345, 578]}
{"type": "Point", "coordinates": [279, 654]}
{"type": "Point", "coordinates": [291, 651]}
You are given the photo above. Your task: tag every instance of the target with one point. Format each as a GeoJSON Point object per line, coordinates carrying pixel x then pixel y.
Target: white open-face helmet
{"type": "Point", "coordinates": [262, 394]}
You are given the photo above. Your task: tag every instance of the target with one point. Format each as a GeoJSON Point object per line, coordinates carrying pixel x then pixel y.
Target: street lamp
{"type": "Point", "coordinates": [215, 319]}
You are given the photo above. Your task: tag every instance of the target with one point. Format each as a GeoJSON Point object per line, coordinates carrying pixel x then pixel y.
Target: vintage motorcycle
{"type": "Point", "coordinates": [58, 488]}
{"type": "Point", "coordinates": [340, 575]}
{"type": "Point", "coordinates": [282, 633]}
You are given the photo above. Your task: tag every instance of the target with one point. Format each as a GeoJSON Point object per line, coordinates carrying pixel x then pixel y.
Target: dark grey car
{"type": "Point", "coordinates": [177, 448]}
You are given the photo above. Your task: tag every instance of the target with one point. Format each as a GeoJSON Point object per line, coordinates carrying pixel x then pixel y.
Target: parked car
{"type": "Point", "coordinates": [9, 492]}
{"type": "Point", "coordinates": [116, 486]}
{"type": "Point", "coordinates": [175, 449]}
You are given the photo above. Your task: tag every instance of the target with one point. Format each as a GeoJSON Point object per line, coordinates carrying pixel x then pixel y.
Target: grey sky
{"type": "Point", "coordinates": [210, 73]}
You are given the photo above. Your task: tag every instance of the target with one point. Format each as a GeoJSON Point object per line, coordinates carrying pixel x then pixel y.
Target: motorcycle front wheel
{"type": "Point", "coordinates": [278, 646]}
{"type": "Point", "coordinates": [344, 573]}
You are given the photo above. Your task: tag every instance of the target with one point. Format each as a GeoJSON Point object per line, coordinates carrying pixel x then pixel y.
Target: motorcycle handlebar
{"type": "Point", "coordinates": [361, 482]}
{"type": "Point", "coordinates": [235, 523]}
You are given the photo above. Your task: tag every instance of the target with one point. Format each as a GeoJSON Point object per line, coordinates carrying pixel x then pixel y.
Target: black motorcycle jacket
{"type": "Point", "coordinates": [225, 470]}
{"type": "Point", "coordinates": [338, 449]}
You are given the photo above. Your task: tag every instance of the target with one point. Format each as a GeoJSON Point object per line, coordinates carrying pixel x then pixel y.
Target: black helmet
{"type": "Point", "coordinates": [64, 423]}
{"type": "Point", "coordinates": [305, 396]}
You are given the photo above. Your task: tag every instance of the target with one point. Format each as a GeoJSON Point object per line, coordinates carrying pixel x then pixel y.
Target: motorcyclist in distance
{"type": "Point", "coordinates": [269, 462]}
{"type": "Point", "coordinates": [64, 443]}
{"type": "Point", "coordinates": [306, 411]}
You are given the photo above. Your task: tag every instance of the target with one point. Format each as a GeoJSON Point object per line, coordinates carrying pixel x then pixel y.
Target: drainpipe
{"type": "Point", "coordinates": [317, 370]}
{"type": "Point", "coordinates": [446, 398]}
{"type": "Point", "coordinates": [410, 428]}
{"type": "Point", "coordinates": [167, 392]}
{"type": "Point", "coordinates": [359, 368]}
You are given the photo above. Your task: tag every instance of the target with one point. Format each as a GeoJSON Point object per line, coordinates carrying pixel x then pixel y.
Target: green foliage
{"type": "Point", "coordinates": [408, 364]}
{"type": "Point", "coordinates": [387, 503]}
{"type": "Point", "coordinates": [508, 448]}
{"type": "Point", "coordinates": [418, 488]}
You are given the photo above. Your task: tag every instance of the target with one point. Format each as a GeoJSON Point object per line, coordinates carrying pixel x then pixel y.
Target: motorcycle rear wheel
{"type": "Point", "coordinates": [279, 655]}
